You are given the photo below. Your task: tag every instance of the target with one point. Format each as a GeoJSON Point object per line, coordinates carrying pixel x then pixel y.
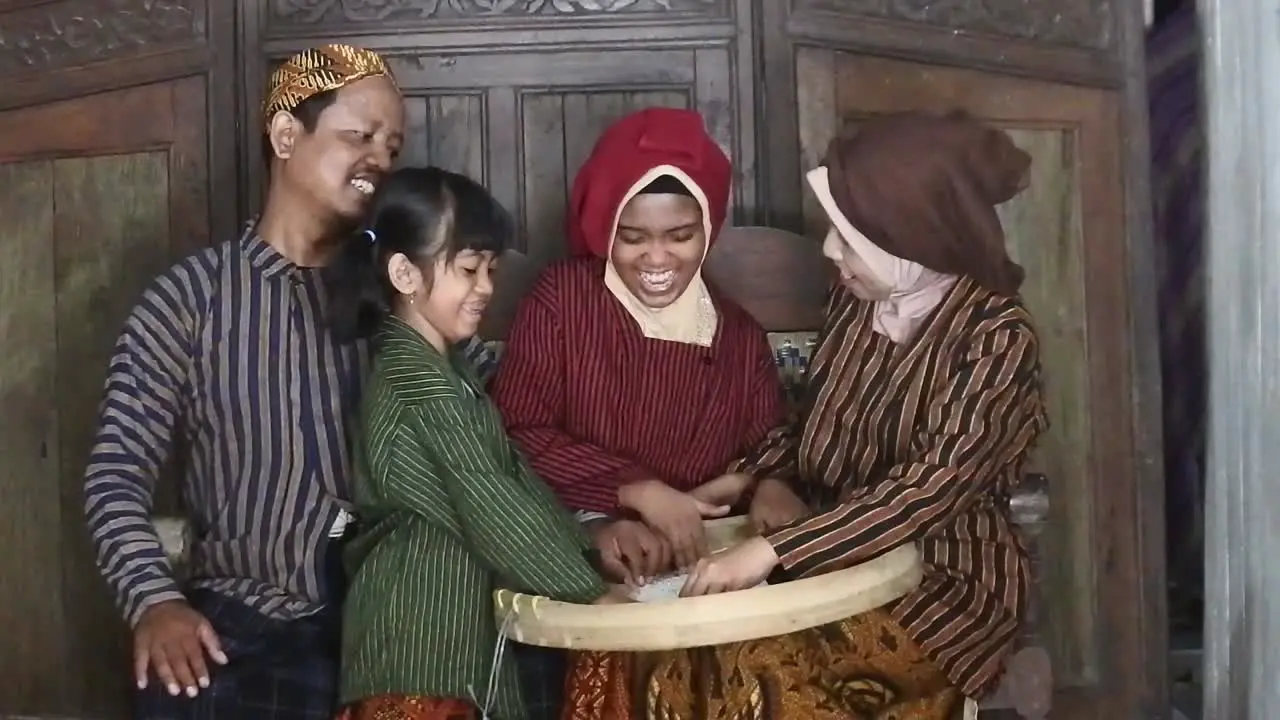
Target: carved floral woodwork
{"type": "Point", "coordinates": [309, 12]}
{"type": "Point", "coordinates": [1081, 24]}
{"type": "Point", "coordinates": [54, 36]}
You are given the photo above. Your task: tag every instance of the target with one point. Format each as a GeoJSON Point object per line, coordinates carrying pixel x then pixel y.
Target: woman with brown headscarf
{"type": "Point", "coordinates": [925, 400]}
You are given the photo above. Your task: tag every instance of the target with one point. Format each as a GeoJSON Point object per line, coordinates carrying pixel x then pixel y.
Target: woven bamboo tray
{"type": "Point", "coordinates": [713, 619]}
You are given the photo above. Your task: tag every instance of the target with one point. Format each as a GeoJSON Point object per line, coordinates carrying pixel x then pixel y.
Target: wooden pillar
{"type": "Point", "coordinates": [1242, 623]}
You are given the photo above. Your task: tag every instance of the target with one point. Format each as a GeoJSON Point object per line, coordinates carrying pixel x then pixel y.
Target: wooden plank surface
{"type": "Point", "coordinates": [31, 653]}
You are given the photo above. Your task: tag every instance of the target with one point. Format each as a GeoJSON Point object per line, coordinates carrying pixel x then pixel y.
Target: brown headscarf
{"type": "Point", "coordinates": [924, 188]}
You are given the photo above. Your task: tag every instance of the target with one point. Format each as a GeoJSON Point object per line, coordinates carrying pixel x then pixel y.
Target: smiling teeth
{"type": "Point", "coordinates": [364, 186]}
{"type": "Point", "coordinates": [658, 281]}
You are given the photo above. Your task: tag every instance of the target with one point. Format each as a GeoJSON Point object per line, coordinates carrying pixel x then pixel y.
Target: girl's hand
{"type": "Point", "coordinates": [630, 551]}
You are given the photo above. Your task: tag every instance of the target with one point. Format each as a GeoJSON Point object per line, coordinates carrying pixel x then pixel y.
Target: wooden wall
{"type": "Point", "coordinates": [115, 146]}
{"type": "Point", "coordinates": [514, 92]}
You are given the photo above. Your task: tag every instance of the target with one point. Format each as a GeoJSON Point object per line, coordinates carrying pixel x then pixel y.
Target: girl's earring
{"type": "Point", "coordinates": [412, 296]}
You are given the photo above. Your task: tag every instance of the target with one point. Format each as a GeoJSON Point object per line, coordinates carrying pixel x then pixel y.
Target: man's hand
{"type": "Point", "coordinates": [172, 639]}
{"type": "Point", "coordinates": [775, 505]}
{"type": "Point", "coordinates": [724, 490]}
{"type": "Point", "coordinates": [629, 551]}
{"type": "Point", "coordinates": [676, 516]}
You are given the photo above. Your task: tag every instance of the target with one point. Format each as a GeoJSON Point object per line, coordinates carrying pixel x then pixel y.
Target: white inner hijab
{"type": "Point", "coordinates": [691, 318]}
{"type": "Point", "coordinates": [914, 289]}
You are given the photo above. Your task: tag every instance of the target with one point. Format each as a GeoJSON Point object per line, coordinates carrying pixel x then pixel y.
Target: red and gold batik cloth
{"type": "Point", "coordinates": [865, 668]}
{"type": "Point", "coordinates": [408, 707]}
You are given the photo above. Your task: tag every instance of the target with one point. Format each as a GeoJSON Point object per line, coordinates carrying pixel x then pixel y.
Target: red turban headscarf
{"type": "Point", "coordinates": [630, 149]}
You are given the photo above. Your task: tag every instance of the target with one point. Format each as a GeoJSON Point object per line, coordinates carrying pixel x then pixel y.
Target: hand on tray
{"type": "Point", "coordinates": [676, 516]}
{"type": "Point", "coordinates": [629, 551]}
{"type": "Point", "coordinates": [775, 505]}
{"type": "Point", "coordinates": [740, 567]}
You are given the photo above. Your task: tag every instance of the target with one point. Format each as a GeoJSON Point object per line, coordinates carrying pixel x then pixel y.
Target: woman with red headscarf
{"type": "Point", "coordinates": [628, 381]}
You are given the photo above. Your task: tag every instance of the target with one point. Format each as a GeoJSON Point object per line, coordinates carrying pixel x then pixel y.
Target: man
{"type": "Point", "coordinates": [228, 357]}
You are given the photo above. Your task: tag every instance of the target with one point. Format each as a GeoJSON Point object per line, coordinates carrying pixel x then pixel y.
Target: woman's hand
{"type": "Point", "coordinates": [743, 566]}
{"type": "Point", "coordinates": [676, 516]}
{"type": "Point", "coordinates": [775, 505]}
{"type": "Point", "coordinates": [630, 551]}
{"type": "Point", "coordinates": [724, 490]}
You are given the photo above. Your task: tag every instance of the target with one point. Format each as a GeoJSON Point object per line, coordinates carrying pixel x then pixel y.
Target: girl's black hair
{"type": "Point", "coordinates": [426, 213]}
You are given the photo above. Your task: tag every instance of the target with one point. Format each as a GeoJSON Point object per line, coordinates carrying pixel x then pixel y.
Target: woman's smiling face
{"type": "Point", "coordinates": [659, 246]}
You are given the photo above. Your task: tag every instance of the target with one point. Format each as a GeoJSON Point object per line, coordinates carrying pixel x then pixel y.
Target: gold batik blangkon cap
{"type": "Point", "coordinates": [320, 69]}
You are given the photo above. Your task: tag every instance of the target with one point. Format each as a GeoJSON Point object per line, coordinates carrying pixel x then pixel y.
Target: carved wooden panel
{"type": "Point", "coordinates": [291, 16]}
{"type": "Point", "coordinates": [1066, 232]}
{"type": "Point", "coordinates": [107, 192]}
{"type": "Point", "coordinates": [1082, 23]}
{"type": "Point", "coordinates": [447, 131]}
{"type": "Point", "coordinates": [57, 35]}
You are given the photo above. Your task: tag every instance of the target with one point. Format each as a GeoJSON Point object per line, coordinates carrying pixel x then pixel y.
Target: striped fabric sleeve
{"type": "Point", "coordinates": [987, 416]}
{"type": "Point", "coordinates": [774, 456]}
{"type": "Point", "coordinates": [514, 526]}
{"type": "Point", "coordinates": [530, 391]}
{"type": "Point", "coordinates": [136, 425]}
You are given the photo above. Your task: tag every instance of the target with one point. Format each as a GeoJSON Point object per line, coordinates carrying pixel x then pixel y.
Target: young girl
{"type": "Point", "coordinates": [448, 508]}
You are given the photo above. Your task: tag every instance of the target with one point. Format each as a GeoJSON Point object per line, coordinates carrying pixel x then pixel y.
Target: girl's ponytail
{"type": "Point", "coordinates": [356, 305]}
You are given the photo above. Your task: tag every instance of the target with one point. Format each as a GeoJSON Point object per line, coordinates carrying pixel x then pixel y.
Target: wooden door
{"type": "Point", "coordinates": [100, 195]}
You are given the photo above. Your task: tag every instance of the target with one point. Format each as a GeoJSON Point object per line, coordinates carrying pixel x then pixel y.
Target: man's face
{"type": "Point", "coordinates": [354, 143]}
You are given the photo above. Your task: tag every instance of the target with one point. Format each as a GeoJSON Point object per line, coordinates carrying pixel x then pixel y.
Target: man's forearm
{"type": "Point", "coordinates": [129, 552]}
